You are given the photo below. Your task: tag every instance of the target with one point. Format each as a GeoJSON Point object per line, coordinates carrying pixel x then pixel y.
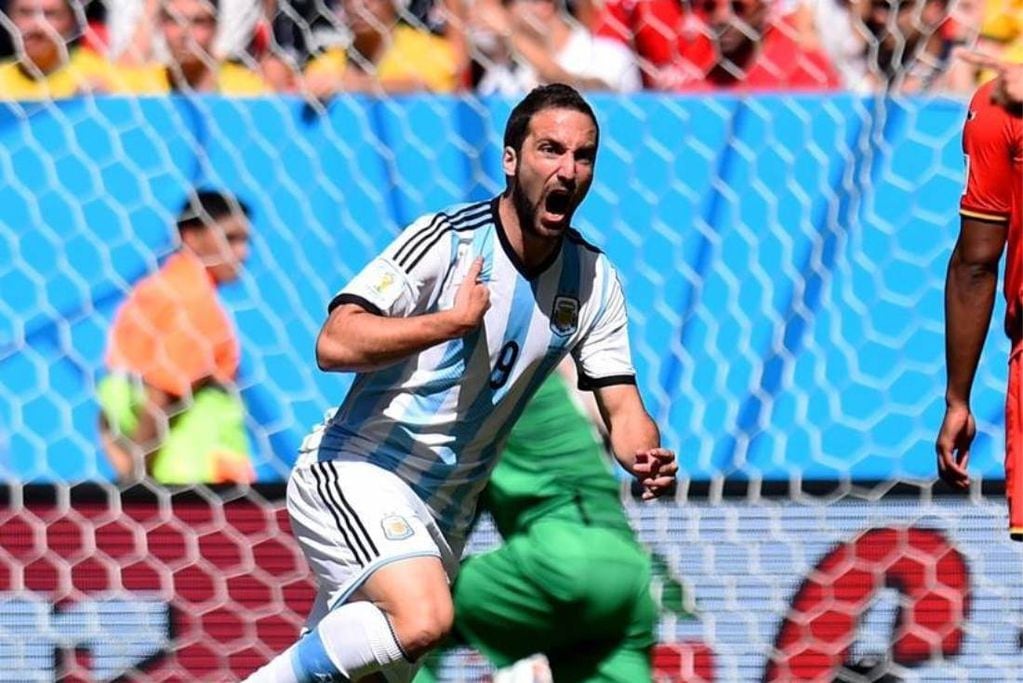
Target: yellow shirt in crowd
{"type": "Point", "coordinates": [1003, 23]}
{"type": "Point", "coordinates": [84, 72]}
{"type": "Point", "coordinates": [412, 55]}
{"type": "Point", "coordinates": [232, 79]}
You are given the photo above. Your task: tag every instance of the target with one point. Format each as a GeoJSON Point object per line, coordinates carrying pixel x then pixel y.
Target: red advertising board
{"type": "Point", "coordinates": [207, 586]}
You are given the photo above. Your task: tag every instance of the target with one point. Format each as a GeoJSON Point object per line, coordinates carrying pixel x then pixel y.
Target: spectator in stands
{"type": "Point", "coordinates": [992, 27]}
{"type": "Point", "coordinates": [907, 49]}
{"type": "Point", "coordinates": [844, 38]}
{"type": "Point", "coordinates": [135, 39]}
{"type": "Point", "coordinates": [657, 31]}
{"type": "Point", "coordinates": [169, 407]}
{"type": "Point", "coordinates": [304, 29]}
{"type": "Point", "coordinates": [189, 28]}
{"type": "Point", "coordinates": [385, 56]}
{"type": "Point", "coordinates": [300, 30]}
{"type": "Point", "coordinates": [94, 13]}
{"type": "Point", "coordinates": [1002, 26]}
{"type": "Point", "coordinates": [50, 62]}
{"type": "Point", "coordinates": [538, 42]}
{"type": "Point", "coordinates": [747, 48]}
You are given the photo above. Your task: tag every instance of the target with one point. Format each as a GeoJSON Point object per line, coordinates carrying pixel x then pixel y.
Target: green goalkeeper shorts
{"type": "Point", "coordinates": [579, 594]}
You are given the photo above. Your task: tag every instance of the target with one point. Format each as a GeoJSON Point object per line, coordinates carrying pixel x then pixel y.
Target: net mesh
{"type": "Point", "coordinates": [783, 258]}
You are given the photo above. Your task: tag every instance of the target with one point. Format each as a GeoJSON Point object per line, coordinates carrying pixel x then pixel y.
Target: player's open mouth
{"type": "Point", "coordinates": [557, 203]}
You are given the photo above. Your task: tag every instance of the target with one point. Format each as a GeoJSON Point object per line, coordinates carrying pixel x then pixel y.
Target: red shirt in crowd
{"type": "Point", "coordinates": [677, 53]}
{"type": "Point", "coordinates": [656, 30]}
{"type": "Point", "coordinates": [780, 63]}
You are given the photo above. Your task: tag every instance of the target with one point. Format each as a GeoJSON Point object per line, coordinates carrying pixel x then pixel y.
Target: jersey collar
{"type": "Point", "coordinates": [502, 237]}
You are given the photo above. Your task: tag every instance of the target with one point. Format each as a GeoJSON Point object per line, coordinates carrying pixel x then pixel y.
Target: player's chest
{"type": "Point", "coordinates": [543, 313]}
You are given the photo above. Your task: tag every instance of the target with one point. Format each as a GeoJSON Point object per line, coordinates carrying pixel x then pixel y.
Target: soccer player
{"type": "Point", "coordinates": [570, 581]}
{"type": "Point", "coordinates": [452, 330]}
{"type": "Point", "coordinates": [991, 209]}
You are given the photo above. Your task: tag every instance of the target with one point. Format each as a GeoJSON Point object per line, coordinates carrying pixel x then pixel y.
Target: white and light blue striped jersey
{"type": "Point", "coordinates": [439, 418]}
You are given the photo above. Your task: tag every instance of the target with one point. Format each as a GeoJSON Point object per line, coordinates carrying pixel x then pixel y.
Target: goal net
{"type": "Point", "coordinates": [783, 258]}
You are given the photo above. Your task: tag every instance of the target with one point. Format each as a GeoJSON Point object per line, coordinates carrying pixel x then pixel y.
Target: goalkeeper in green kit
{"type": "Point", "coordinates": [570, 581]}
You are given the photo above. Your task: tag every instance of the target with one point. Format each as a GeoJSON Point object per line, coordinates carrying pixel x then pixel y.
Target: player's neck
{"type": "Point", "coordinates": [533, 251]}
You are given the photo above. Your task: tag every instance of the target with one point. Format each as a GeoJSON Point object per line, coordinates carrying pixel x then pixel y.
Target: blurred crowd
{"type": "Point", "coordinates": [319, 48]}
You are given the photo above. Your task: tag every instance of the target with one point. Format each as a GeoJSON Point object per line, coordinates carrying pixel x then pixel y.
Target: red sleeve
{"type": "Point", "coordinates": [988, 157]}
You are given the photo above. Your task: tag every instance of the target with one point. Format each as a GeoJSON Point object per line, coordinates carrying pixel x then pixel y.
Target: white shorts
{"type": "Point", "coordinates": [351, 518]}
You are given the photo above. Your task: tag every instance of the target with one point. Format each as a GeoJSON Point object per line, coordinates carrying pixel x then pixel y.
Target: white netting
{"type": "Point", "coordinates": [783, 257]}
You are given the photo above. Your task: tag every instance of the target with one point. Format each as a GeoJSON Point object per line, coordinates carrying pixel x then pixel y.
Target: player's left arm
{"type": "Point", "coordinates": [635, 440]}
{"type": "Point", "coordinates": [605, 367]}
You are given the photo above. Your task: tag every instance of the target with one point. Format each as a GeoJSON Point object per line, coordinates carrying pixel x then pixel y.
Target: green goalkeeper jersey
{"type": "Point", "coordinates": [554, 466]}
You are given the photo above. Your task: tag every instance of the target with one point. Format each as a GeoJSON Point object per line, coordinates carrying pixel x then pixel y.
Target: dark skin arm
{"type": "Point", "coordinates": [970, 289]}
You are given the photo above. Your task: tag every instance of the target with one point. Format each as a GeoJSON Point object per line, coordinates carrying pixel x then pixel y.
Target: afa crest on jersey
{"type": "Point", "coordinates": [565, 315]}
{"type": "Point", "coordinates": [396, 528]}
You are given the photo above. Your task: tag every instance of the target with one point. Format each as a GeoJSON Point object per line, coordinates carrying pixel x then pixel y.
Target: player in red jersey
{"type": "Point", "coordinates": [991, 212]}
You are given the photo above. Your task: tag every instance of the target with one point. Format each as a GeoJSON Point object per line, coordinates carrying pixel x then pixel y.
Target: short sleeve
{"type": "Point", "coordinates": [402, 281]}
{"type": "Point", "coordinates": [988, 158]}
{"type": "Point", "coordinates": [602, 356]}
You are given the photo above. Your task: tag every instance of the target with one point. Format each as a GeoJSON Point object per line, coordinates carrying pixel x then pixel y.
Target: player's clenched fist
{"type": "Point", "coordinates": [471, 300]}
{"type": "Point", "coordinates": [655, 468]}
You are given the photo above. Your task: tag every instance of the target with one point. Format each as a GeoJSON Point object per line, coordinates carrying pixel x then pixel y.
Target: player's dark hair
{"type": "Point", "coordinates": [204, 207]}
{"type": "Point", "coordinates": [553, 96]}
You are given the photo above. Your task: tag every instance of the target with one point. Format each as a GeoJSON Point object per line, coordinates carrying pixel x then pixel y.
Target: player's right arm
{"type": "Point", "coordinates": [355, 339]}
{"type": "Point", "coordinates": [391, 310]}
{"type": "Point", "coordinates": [972, 279]}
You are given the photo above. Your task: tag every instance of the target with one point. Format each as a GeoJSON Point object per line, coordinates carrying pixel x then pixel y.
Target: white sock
{"type": "Point", "coordinates": [359, 639]}
{"type": "Point", "coordinates": [352, 641]}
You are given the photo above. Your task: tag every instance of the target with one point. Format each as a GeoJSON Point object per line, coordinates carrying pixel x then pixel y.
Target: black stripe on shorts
{"type": "Point", "coordinates": [333, 487]}
{"type": "Point", "coordinates": [334, 512]}
{"type": "Point", "coordinates": [347, 506]}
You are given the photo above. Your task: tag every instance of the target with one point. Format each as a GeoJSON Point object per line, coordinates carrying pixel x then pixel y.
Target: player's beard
{"type": "Point", "coordinates": [528, 214]}
{"type": "Point", "coordinates": [525, 210]}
